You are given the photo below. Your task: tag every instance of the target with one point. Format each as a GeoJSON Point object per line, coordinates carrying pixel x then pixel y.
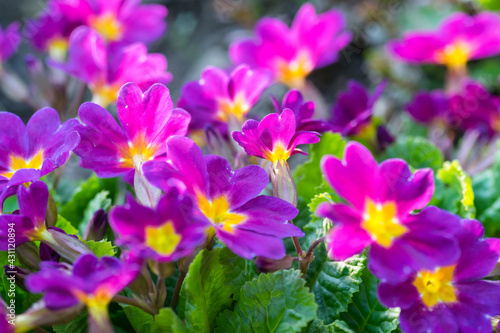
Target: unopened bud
{"type": "Point", "coordinates": [96, 228]}
{"type": "Point", "coordinates": [265, 265]}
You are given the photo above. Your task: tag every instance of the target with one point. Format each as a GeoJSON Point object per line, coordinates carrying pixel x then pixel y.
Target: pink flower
{"type": "Point", "coordinates": [291, 53]}
{"type": "Point", "coordinates": [9, 41]}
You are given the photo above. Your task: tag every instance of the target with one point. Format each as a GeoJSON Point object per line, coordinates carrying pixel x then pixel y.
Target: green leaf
{"type": "Point", "coordinates": [65, 225]}
{"type": "Point", "coordinates": [333, 282]}
{"type": "Point", "coordinates": [204, 294]}
{"type": "Point", "coordinates": [164, 322]}
{"type": "Point", "coordinates": [277, 302]}
{"type": "Point", "coordinates": [489, 4]}
{"type": "Point", "coordinates": [77, 325]}
{"type": "Point", "coordinates": [418, 152]}
{"type": "Point", "coordinates": [102, 248]}
{"type": "Point", "coordinates": [317, 326]}
{"type": "Point", "coordinates": [237, 271]}
{"type": "Point", "coordinates": [453, 175]}
{"type": "Point", "coordinates": [100, 201]}
{"type": "Point", "coordinates": [365, 314]}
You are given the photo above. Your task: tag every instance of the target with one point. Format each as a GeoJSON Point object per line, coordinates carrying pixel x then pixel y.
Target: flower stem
{"type": "Point", "coordinates": [177, 290]}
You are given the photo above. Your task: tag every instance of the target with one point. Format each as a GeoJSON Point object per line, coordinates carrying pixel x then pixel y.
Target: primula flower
{"type": "Point", "coordinates": [458, 39]}
{"type": "Point", "coordinates": [29, 152]}
{"type": "Point", "coordinates": [352, 114]}
{"type": "Point", "coordinates": [146, 119]}
{"type": "Point", "coordinates": [123, 21]}
{"type": "Point", "coordinates": [165, 233]}
{"type": "Point", "coordinates": [105, 72]}
{"type": "Point", "coordinates": [217, 96]}
{"type": "Point", "coordinates": [248, 223]}
{"type": "Point", "coordinates": [92, 281]}
{"type": "Point", "coordinates": [312, 41]}
{"type": "Point", "coordinates": [451, 297]}
{"type": "Point", "coordinates": [381, 198]}
{"type": "Point", "coordinates": [9, 41]}
{"type": "Point", "coordinates": [274, 138]}
{"type": "Point", "coordinates": [303, 111]}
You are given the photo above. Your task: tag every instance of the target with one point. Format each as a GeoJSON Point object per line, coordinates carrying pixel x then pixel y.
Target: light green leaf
{"type": "Point", "coordinates": [453, 175]}
{"type": "Point", "coordinates": [164, 322]}
{"type": "Point", "coordinates": [65, 225]}
{"type": "Point", "coordinates": [102, 248]}
{"type": "Point", "coordinates": [418, 152]}
{"type": "Point", "coordinates": [277, 302]}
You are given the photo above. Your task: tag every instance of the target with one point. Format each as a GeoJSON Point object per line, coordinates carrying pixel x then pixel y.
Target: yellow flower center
{"type": "Point", "coordinates": [107, 26]}
{"type": "Point", "coordinates": [455, 56]}
{"type": "Point", "coordinates": [279, 153]}
{"type": "Point", "coordinates": [97, 303]}
{"type": "Point", "coordinates": [218, 212]}
{"type": "Point", "coordinates": [435, 287]}
{"type": "Point", "coordinates": [163, 239]}
{"type": "Point", "coordinates": [380, 221]}
{"type": "Point", "coordinates": [104, 94]}
{"type": "Point", "coordinates": [134, 154]}
{"type": "Point", "coordinates": [237, 108]}
{"type": "Point", "coordinates": [17, 163]}
{"type": "Point", "coordinates": [58, 48]}
{"type": "Point", "coordinates": [293, 73]}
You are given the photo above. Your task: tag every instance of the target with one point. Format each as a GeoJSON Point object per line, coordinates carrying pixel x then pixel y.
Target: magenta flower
{"type": "Point", "coordinates": [166, 233]}
{"type": "Point", "coordinates": [147, 120]}
{"type": "Point", "coordinates": [105, 72]}
{"type": "Point", "coordinates": [303, 111]}
{"type": "Point", "coordinates": [217, 96]}
{"type": "Point", "coordinates": [312, 41]}
{"type": "Point", "coordinates": [248, 223]}
{"type": "Point", "coordinates": [124, 21]}
{"type": "Point", "coordinates": [9, 41]}
{"type": "Point", "coordinates": [274, 138]}
{"type": "Point", "coordinates": [451, 297]}
{"type": "Point", "coordinates": [458, 39]}
{"type": "Point", "coordinates": [29, 152]}
{"type": "Point", "coordinates": [352, 115]}
{"type": "Point", "coordinates": [381, 198]}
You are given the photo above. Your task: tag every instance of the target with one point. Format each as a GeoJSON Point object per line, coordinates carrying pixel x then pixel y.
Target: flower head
{"type": "Point", "coordinates": [217, 96]}
{"type": "Point", "coordinates": [167, 232]}
{"type": "Point", "coordinates": [451, 297]}
{"type": "Point", "coordinates": [303, 111]}
{"type": "Point", "coordinates": [291, 53]}
{"type": "Point", "coordinates": [29, 152]}
{"type": "Point", "coordinates": [106, 71]}
{"type": "Point", "coordinates": [9, 41]}
{"type": "Point", "coordinates": [248, 223]}
{"type": "Point", "coordinates": [147, 120]}
{"type": "Point", "coordinates": [381, 198]}
{"type": "Point", "coordinates": [274, 138]}
{"type": "Point", "coordinates": [458, 39]}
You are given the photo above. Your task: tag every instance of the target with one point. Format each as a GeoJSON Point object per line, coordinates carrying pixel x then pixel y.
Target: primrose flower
{"type": "Point", "coordinates": [217, 96]}
{"type": "Point", "coordinates": [248, 223]}
{"type": "Point", "coordinates": [165, 233]}
{"type": "Point", "coordinates": [274, 138]}
{"type": "Point", "coordinates": [29, 152]}
{"type": "Point", "coordinates": [352, 114]}
{"type": "Point", "coordinates": [147, 120]}
{"type": "Point", "coordinates": [458, 39]}
{"type": "Point", "coordinates": [9, 41]}
{"type": "Point", "coordinates": [123, 22]}
{"type": "Point", "coordinates": [91, 281]}
{"type": "Point", "coordinates": [312, 41]}
{"type": "Point", "coordinates": [105, 72]}
{"type": "Point", "coordinates": [303, 111]}
{"type": "Point", "coordinates": [381, 198]}
{"type": "Point", "coordinates": [451, 297]}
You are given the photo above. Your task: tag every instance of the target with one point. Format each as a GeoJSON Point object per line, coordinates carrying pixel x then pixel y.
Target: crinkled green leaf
{"type": "Point", "coordinates": [237, 271]}
{"type": "Point", "coordinates": [204, 294]}
{"type": "Point", "coordinates": [102, 248]}
{"type": "Point", "coordinates": [65, 225]}
{"type": "Point", "coordinates": [164, 322]}
{"type": "Point", "coordinates": [277, 302]}
{"type": "Point", "coordinates": [418, 152]}
{"type": "Point", "coordinates": [317, 326]}
{"type": "Point", "coordinates": [333, 282]}
{"type": "Point", "coordinates": [452, 175]}
{"type": "Point", "coordinates": [365, 314]}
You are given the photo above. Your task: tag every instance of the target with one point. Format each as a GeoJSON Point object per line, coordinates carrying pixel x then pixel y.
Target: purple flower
{"type": "Point", "coordinates": [146, 119]}
{"type": "Point", "coordinates": [9, 41]}
{"type": "Point", "coordinates": [29, 152]}
{"type": "Point", "coordinates": [165, 233]}
{"type": "Point", "coordinates": [458, 39]}
{"type": "Point", "coordinates": [352, 115]}
{"type": "Point", "coordinates": [105, 72]}
{"type": "Point", "coordinates": [274, 138]}
{"type": "Point", "coordinates": [381, 198]}
{"type": "Point", "coordinates": [248, 223]}
{"type": "Point", "coordinates": [303, 111]}
{"type": "Point", "coordinates": [451, 298]}
{"type": "Point", "coordinates": [312, 41]}
{"type": "Point", "coordinates": [123, 21]}
{"type": "Point", "coordinates": [217, 96]}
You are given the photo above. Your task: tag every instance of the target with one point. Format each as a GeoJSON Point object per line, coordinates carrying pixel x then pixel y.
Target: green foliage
{"type": "Point", "coordinates": [418, 152]}
{"type": "Point", "coordinates": [65, 225]}
{"type": "Point", "coordinates": [102, 248]}
{"type": "Point", "coordinates": [489, 4]}
{"type": "Point", "coordinates": [237, 271]}
{"type": "Point", "coordinates": [164, 322]}
{"type": "Point", "coordinates": [77, 325]}
{"type": "Point", "coordinates": [277, 302]}
{"type": "Point", "coordinates": [100, 201]}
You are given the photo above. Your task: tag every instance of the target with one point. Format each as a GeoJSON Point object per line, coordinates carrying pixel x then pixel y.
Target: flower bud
{"type": "Point", "coordinates": [265, 265]}
{"type": "Point", "coordinates": [96, 228]}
